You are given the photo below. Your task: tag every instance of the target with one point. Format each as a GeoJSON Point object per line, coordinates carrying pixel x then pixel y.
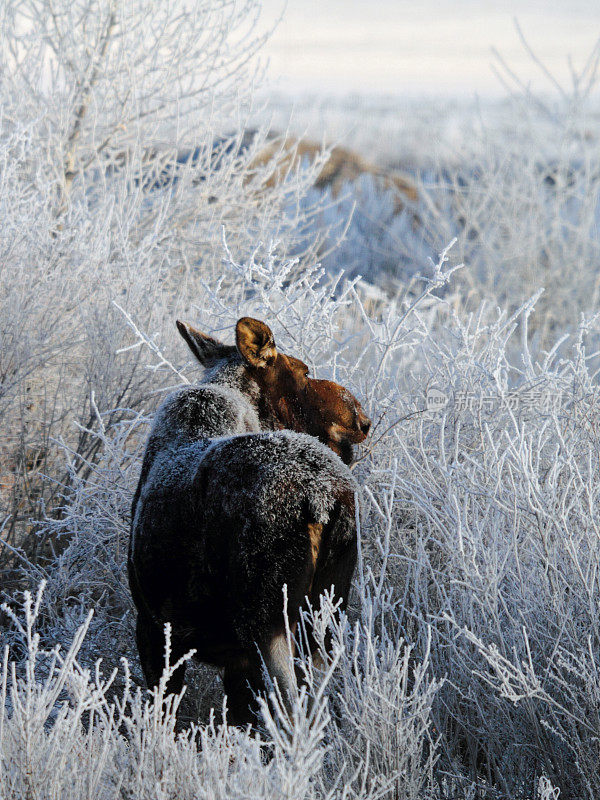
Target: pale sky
{"type": "Point", "coordinates": [431, 47]}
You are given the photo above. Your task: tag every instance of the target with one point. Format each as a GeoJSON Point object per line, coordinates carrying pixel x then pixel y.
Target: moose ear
{"type": "Point", "coordinates": [206, 349]}
{"type": "Point", "coordinates": [255, 342]}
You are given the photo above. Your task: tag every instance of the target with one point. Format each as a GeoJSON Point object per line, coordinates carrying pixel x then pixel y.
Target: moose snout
{"type": "Point", "coordinates": [363, 422]}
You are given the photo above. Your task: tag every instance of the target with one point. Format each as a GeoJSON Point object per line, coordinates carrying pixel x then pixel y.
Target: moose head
{"type": "Point", "coordinates": [288, 397]}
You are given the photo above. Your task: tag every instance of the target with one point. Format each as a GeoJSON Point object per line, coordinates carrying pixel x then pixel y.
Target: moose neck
{"type": "Point", "coordinates": [233, 376]}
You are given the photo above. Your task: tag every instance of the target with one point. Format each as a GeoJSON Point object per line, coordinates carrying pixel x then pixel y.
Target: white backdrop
{"type": "Point", "coordinates": [428, 46]}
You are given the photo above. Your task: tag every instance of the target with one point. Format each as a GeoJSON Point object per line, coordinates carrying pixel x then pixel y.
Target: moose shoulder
{"type": "Point", "coordinates": [244, 488]}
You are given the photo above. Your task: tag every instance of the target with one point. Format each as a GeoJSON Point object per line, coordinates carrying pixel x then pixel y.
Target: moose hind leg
{"type": "Point", "coordinates": [150, 638]}
{"type": "Point", "coordinates": [279, 661]}
{"type": "Point", "coordinates": [241, 680]}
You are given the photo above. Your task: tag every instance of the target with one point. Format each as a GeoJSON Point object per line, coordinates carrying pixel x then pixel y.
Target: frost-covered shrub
{"type": "Point", "coordinates": [64, 733]}
{"type": "Point", "coordinates": [516, 181]}
{"type": "Point", "coordinates": [380, 694]}
{"type": "Point", "coordinates": [494, 547]}
{"type": "Point", "coordinates": [373, 232]}
{"type": "Point", "coordinates": [523, 199]}
{"type": "Point", "coordinates": [123, 151]}
{"type": "Point", "coordinates": [526, 219]}
{"type": "Point", "coordinates": [478, 544]}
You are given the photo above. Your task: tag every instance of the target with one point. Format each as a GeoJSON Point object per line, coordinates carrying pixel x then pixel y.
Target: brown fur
{"type": "Point", "coordinates": [297, 402]}
{"type": "Point", "coordinates": [342, 166]}
{"type": "Point", "coordinates": [315, 533]}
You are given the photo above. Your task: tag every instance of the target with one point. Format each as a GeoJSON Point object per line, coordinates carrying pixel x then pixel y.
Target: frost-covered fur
{"type": "Point", "coordinates": [227, 514]}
